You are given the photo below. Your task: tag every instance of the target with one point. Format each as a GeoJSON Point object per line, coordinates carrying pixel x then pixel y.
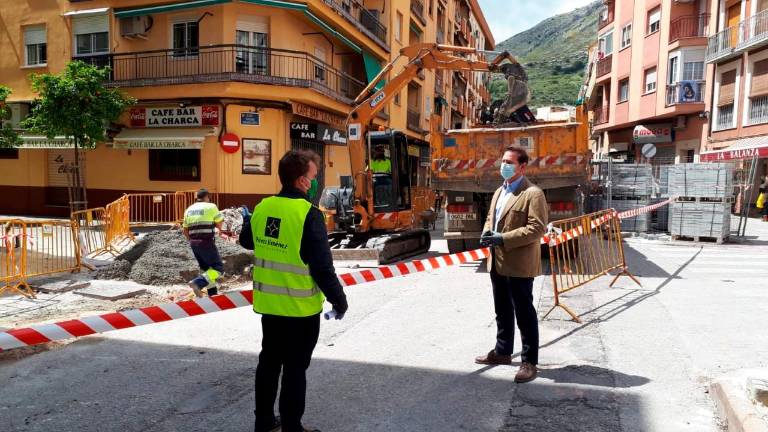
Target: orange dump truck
{"type": "Point", "coordinates": [466, 170]}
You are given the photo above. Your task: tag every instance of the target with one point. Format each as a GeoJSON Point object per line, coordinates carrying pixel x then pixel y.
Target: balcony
{"type": "Point", "coordinates": [601, 115]}
{"type": "Point", "coordinates": [688, 92]}
{"type": "Point", "coordinates": [438, 84]}
{"type": "Point", "coordinates": [689, 26]}
{"type": "Point", "coordinates": [414, 120]}
{"type": "Point", "coordinates": [224, 63]}
{"type": "Point", "coordinates": [758, 110]}
{"type": "Point", "coordinates": [356, 13]}
{"type": "Point", "coordinates": [417, 9]}
{"type": "Point", "coordinates": [722, 45]}
{"type": "Point", "coordinates": [605, 16]}
{"type": "Point", "coordinates": [604, 65]}
{"type": "Point", "coordinates": [754, 31]}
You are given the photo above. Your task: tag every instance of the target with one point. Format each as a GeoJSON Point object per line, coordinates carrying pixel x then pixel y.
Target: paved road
{"type": "Point", "coordinates": [402, 359]}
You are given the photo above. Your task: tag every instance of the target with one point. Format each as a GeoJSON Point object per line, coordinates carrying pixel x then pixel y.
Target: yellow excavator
{"type": "Point", "coordinates": [375, 213]}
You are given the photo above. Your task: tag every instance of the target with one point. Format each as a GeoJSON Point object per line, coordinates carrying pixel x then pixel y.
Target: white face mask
{"type": "Point", "coordinates": [507, 170]}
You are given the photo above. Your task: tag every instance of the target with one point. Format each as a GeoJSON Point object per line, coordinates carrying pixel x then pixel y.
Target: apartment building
{"type": "Point", "coordinates": [224, 88]}
{"type": "Point", "coordinates": [737, 101]}
{"type": "Point", "coordinates": [647, 83]}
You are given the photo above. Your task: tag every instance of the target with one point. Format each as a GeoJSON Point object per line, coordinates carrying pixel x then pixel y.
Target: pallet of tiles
{"type": "Point", "coordinates": [700, 220]}
{"type": "Point", "coordinates": [712, 180]}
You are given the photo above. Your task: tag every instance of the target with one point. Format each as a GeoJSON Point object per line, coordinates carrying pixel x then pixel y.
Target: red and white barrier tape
{"type": "Point", "coordinates": [43, 333]}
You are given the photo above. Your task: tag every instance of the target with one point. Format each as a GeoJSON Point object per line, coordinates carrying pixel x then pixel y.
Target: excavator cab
{"type": "Point", "coordinates": [391, 178]}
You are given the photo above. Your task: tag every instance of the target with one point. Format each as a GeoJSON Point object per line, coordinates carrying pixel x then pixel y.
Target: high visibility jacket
{"type": "Point", "coordinates": [201, 219]}
{"type": "Point", "coordinates": [381, 166]}
{"type": "Point", "coordinates": [282, 284]}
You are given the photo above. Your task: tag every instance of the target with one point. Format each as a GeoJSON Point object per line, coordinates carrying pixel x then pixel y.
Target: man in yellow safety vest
{"type": "Point", "coordinates": [201, 220]}
{"type": "Point", "coordinates": [293, 273]}
{"type": "Point", "coordinates": [380, 163]}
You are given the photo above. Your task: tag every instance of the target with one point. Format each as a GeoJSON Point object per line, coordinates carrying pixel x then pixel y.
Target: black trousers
{"type": "Point", "coordinates": [287, 345]}
{"type": "Point", "coordinates": [514, 297]}
{"type": "Point", "coordinates": [207, 256]}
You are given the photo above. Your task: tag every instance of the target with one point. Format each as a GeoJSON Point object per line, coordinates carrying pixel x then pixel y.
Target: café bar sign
{"type": "Point", "coordinates": [157, 144]}
{"type": "Point", "coordinates": [41, 142]}
{"type": "Point", "coordinates": [656, 133]}
{"type": "Point", "coordinates": [176, 116]}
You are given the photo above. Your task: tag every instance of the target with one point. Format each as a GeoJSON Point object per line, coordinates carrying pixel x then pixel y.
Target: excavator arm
{"type": "Point", "coordinates": [371, 101]}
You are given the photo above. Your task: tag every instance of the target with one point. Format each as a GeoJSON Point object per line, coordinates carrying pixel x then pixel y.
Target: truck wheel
{"type": "Point", "coordinates": [456, 246]}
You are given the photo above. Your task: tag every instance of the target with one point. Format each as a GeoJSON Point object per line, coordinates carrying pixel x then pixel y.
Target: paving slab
{"type": "Point", "coordinates": [60, 286]}
{"type": "Point", "coordinates": [112, 290]}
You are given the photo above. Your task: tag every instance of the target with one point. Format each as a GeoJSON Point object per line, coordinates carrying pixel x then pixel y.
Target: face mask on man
{"type": "Point", "coordinates": [507, 170]}
{"type": "Point", "coordinates": [312, 192]}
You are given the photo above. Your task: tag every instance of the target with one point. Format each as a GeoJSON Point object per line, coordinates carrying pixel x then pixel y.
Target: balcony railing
{"type": "Point", "coordinates": [357, 14]}
{"type": "Point", "coordinates": [685, 92]}
{"type": "Point", "coordinates": [417, 8]}
{"type": "Point", "coordinates": [754, 31]}
{"type": "Point", "coordinates": [604, 65]}
{"type": "Point", "coordinates": [221, 63]}
{"type": "Point", "coordinates": [414, 120]}
{"type": "Point", "coordinates": [601, 115]}
{"type": "Point", "coordinates": [758, 110]}
{"type": "Point", "coordinates": [689, 26]}
{"type": "Point", "coordinates": [724, 117]}
{"type": "Point", "coordinates": [722, 44]}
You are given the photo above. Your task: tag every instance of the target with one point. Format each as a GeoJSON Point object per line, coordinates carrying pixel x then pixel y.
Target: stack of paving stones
{"type": "Point", "coordinates": [632, 186]}
{"type": "Point", "coordinates": [703, 196]}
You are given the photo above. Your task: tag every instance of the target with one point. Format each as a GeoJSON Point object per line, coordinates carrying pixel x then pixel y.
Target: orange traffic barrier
{"type": "Point", "coordinates": [35, 248]}
{"type": "Point", "coordinates": [581, 250]}
{"type": "Point", "coordinates": [117, 215]}
{"type": "Point", "coordinates": [12, 256]}
{"type": "Point", "coordinates": [154, 208]}
{"type": "Point", "coordinates": [92, 231]}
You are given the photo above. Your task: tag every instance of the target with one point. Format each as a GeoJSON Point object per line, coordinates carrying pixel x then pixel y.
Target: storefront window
{"type": "Point", "coordinates": [9, 153]}
{"type": "Point", "coordinates": [174, 165]}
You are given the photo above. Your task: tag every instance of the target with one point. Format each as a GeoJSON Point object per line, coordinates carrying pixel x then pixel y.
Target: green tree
{"type": "Point", "coordinates": [77, 105]}
{"type": "Point", "coordinates": [8, 136]}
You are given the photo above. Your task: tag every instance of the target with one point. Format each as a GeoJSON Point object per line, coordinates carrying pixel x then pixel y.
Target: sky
{"type": "Point", "coordinates": [509, 17]}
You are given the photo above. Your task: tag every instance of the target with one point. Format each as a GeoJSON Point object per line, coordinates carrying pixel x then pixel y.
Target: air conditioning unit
{"type": "Point", "coordinates": [135, 26]}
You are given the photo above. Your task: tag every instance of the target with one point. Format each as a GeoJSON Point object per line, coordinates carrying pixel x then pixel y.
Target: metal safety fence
{"type": "Point", "coordinates": [161, 208]}
{"type": "Point", "coordinates": [36, 248]}
{"type": "Point", "coordinates": [583, 249]}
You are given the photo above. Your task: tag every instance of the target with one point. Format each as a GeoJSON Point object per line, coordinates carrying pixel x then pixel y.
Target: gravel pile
{"type": "Point", "coordinates": [165, 258]}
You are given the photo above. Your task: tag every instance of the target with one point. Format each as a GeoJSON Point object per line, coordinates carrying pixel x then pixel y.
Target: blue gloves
{"type": "Point", "coordinates": [491, 238]}
{"type": "Point", "coordinates": [244, 211]}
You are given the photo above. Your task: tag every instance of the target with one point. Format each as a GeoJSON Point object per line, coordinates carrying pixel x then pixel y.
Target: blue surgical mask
{"type": "Point", "coordinates": [507, 170]}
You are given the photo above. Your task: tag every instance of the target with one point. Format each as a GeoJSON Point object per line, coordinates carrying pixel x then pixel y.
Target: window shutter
{"type": "Point", "coordinates": [727, 88]}
{"type": "Point", "coordinates": [90, 24]}
{"type": "Point", "coordinates": [759, 85]}
{"type": "Point", "coordinates": [34, 35]}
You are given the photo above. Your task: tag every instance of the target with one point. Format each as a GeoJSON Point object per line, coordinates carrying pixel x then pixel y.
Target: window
{"type": "Point", "coordinates": [726, 100]}
{"type": "Point", "coordinates": [92, 43]}
{"type": "Point", "coordinates": [650, 80]}
{"type": "Point", "coordinates": [320, 67]}
{"type": "Point", "coordinates": [91, 35]}
{"type": "Point", "coordinates": [174, 165]}
{"type": "Point", "coordinates": [626, 36]}
{"type": "Point", "coordinates": [605, 44]}
{"type": "Point", "coordinates": [397, 99]}
{"type": "Point", "coordinates": [186, 39]}
{"type": "Point", "coordinates": [399, 27]}
{"type": "Point", "coordinates": [35, 46]}
{"type": "Point", "coordinates": [624, 90]}
{"type": "Point", "coordinates": [654, 20]}
{"type": "Point", "coordinates": [253, 53]}
{"type": "Point", "coordinates": [693, 71]}
{"type": "Point", "coordinates": [9, 153]}
{"type": "Point", "coordinates": [672, 72]}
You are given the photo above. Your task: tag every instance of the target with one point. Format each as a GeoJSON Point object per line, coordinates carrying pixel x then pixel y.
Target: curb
{"type": "Point", "coordinates": [735, 407]}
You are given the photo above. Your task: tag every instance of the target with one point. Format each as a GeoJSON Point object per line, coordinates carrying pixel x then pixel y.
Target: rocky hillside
{"type": "Point", "coordinates": [554, 53]}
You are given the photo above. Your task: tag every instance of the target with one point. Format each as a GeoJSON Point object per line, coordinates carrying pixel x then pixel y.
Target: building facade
{"type": "Point", "coordinates": [224, 88]}
{"type": "Point", "coordinates": [737, 101]}
{"type": "Point", "coordinates": [647, 83]}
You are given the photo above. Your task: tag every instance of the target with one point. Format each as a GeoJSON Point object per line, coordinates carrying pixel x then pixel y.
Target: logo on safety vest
{"type": "Point", "coordinates": [273, 227]}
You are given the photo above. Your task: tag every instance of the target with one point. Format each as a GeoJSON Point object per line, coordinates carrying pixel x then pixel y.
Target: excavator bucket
{"type": "Point", "coordinates": [385, 248]}
{"type": "Point", "coordinates": [514, 107]}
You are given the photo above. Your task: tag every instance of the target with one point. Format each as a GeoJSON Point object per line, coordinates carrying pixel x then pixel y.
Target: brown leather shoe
{"type": "Point", "coordinates": [527, 372]}
{"type": "Point", "coordinates": [494, 359]}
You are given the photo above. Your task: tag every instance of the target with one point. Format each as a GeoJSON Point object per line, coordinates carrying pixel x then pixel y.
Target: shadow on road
{"type": "Point", "coordinates": [98, 385]}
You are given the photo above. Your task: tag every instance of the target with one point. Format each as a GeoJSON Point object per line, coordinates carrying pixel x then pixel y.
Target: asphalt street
{"type": "Point", "coordinates": [402, 359]}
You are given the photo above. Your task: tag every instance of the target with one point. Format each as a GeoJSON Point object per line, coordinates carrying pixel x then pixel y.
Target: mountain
{"type": "Point", "coordinates": [554, 53]}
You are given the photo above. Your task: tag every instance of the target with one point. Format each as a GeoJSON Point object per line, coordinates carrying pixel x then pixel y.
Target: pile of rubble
{"type": "Point", "coordinates": [163, 258]}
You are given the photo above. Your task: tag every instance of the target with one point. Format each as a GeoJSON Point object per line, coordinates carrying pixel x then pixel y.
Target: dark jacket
{"type": "Point", "coordinates": [314, 251]}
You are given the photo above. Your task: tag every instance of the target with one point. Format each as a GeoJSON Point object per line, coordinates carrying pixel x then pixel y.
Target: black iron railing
{"type": "Point", "coordinates": [414, 120]}
{"type": "Point", "coordinates": [228, 63]}
{"type": "Point", "coordinates": [357, 13]}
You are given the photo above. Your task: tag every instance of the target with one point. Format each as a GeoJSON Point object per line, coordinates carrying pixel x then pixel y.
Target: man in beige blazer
{"type": "Point", "coordinates": [516, 222]}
